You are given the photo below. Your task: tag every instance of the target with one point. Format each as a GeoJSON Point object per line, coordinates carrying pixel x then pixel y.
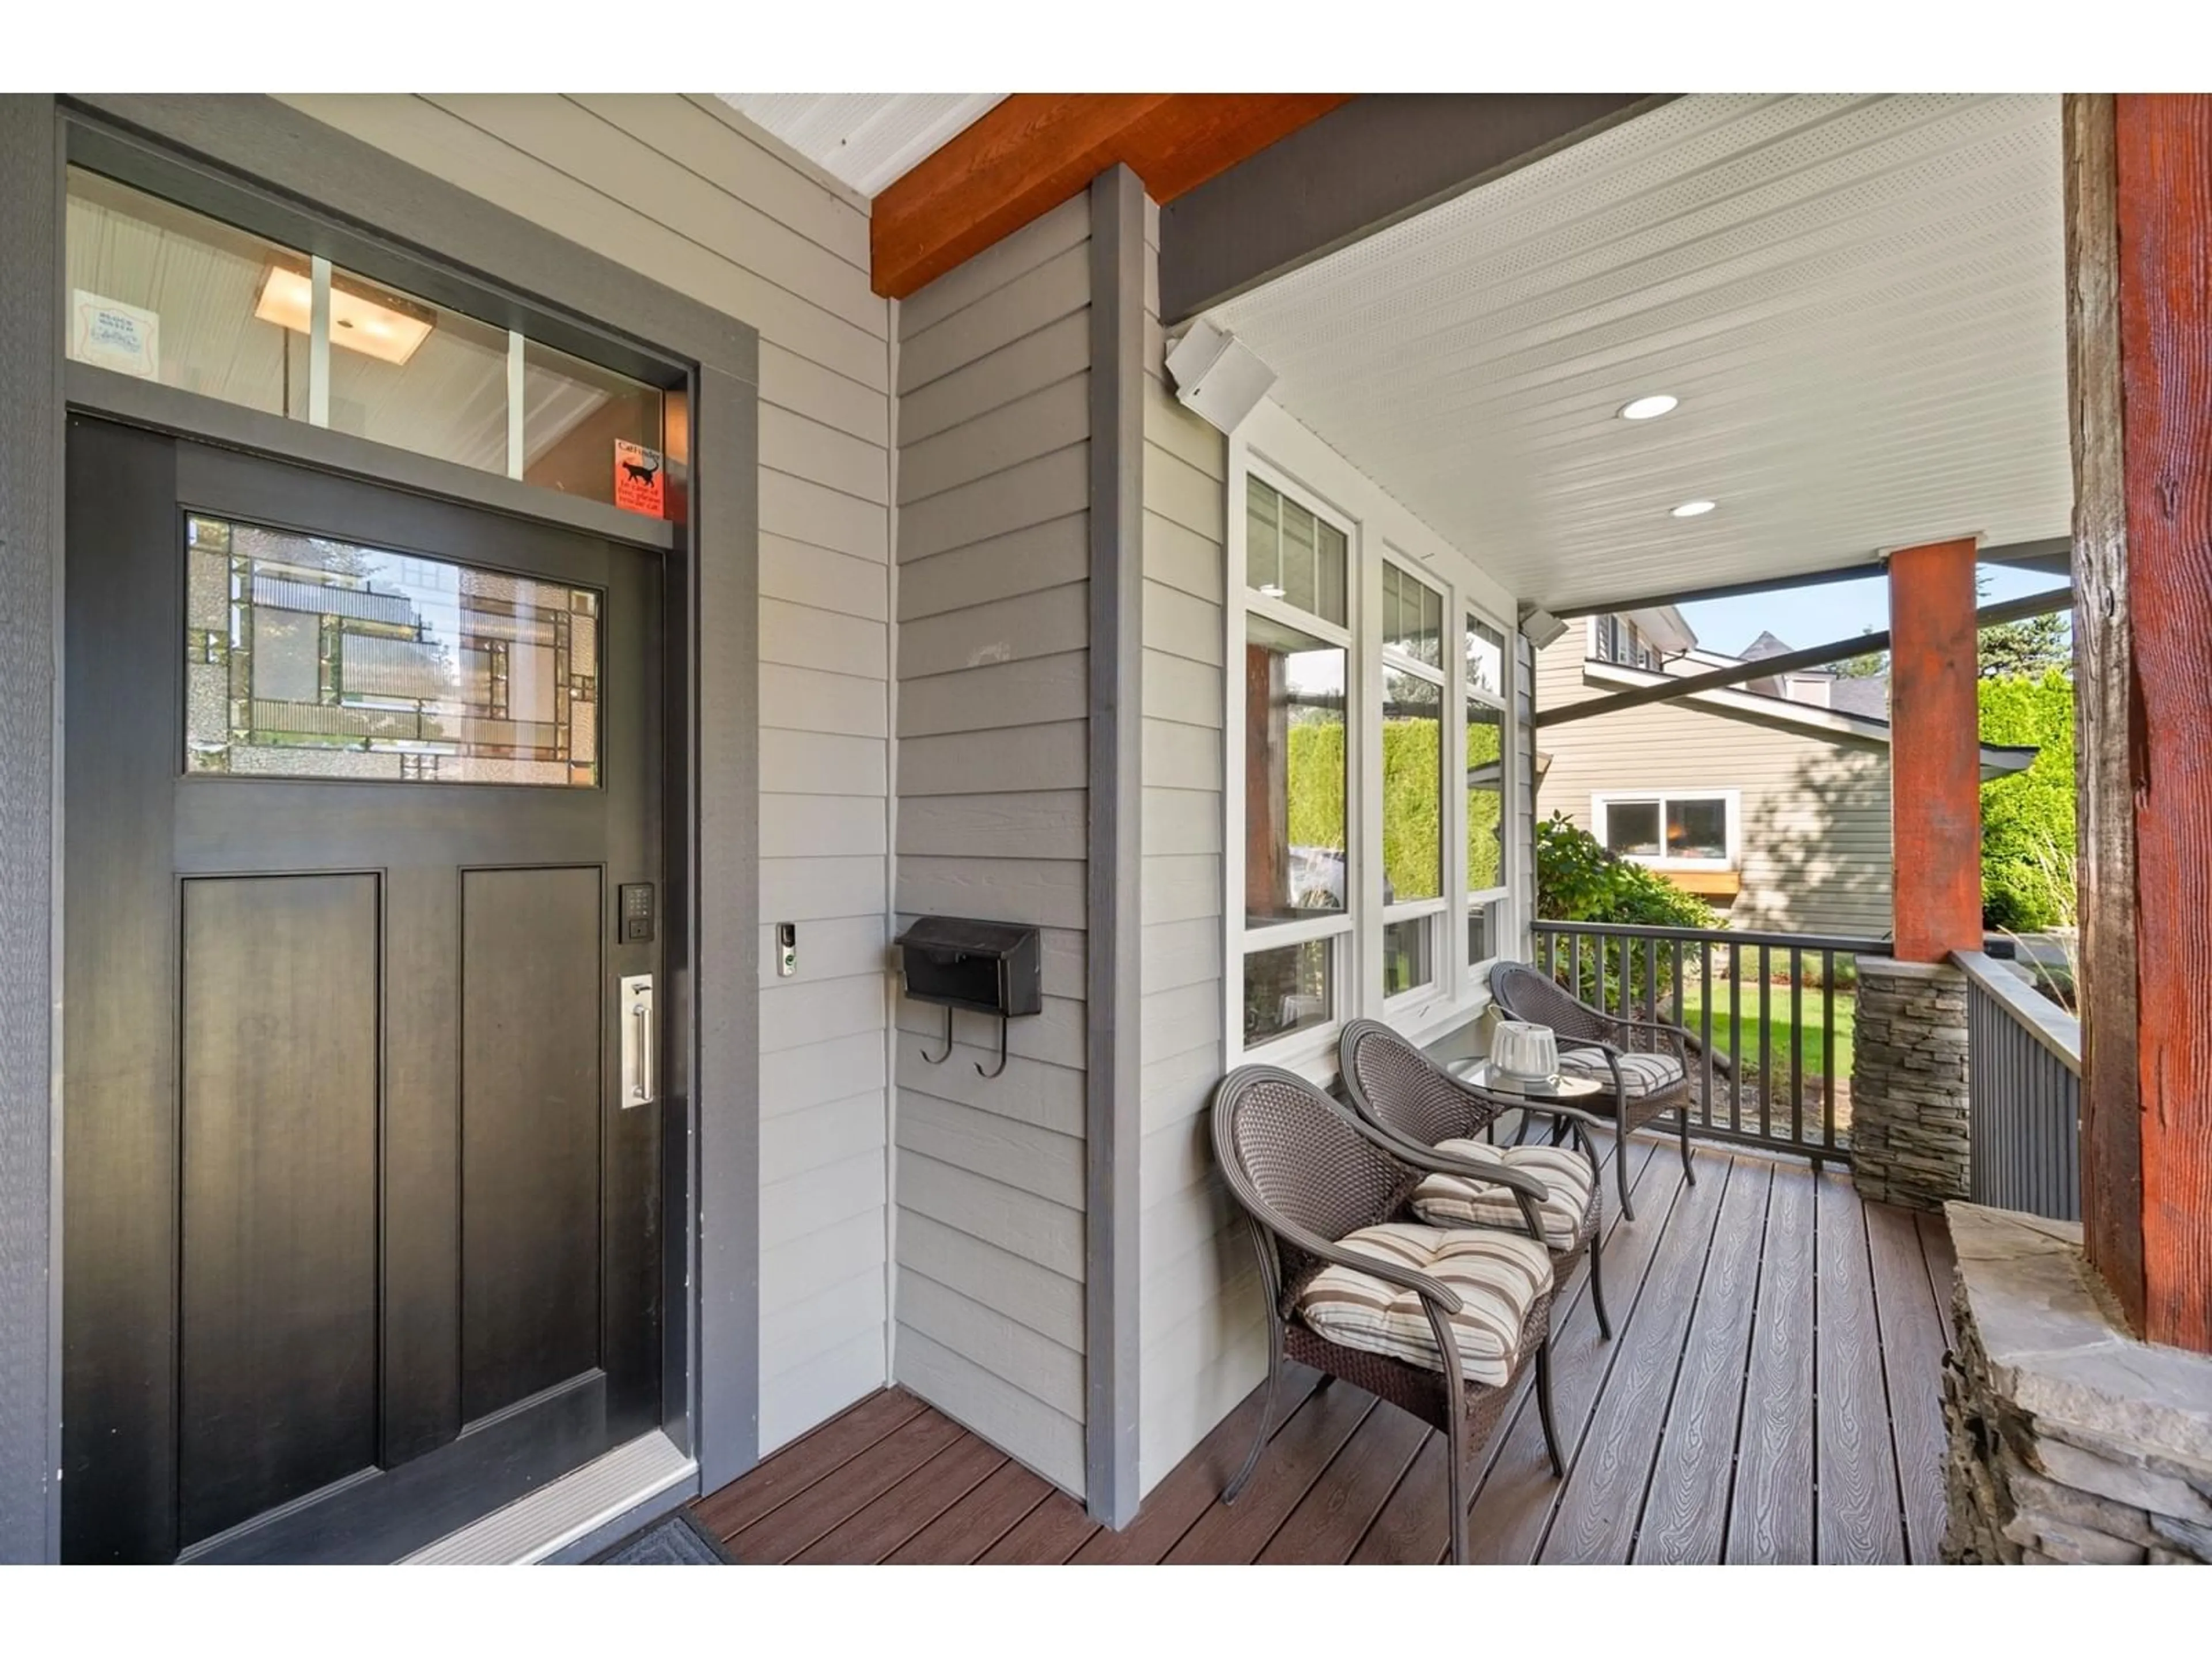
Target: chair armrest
{"type": "Point", "coordinates": [1575, 1114]}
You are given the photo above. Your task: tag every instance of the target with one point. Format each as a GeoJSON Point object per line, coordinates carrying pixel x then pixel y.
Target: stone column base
{"type": "Point", "coordinates": [2070, 1440]}
{"type": "Point", "coordinates": [1909, 1110]}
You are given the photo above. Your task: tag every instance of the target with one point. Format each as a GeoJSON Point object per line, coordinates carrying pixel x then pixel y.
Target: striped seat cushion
{"type": "Point", "coordinates": [1499, 1276]}
{"type": "Point", "coordinates": [1450, 1201]}
{"type": "Point", "coordinates": [1644, 1074]}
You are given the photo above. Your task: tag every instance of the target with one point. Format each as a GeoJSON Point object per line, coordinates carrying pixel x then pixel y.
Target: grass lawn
{"type": "Point", "coordinates": [1816, 1046]}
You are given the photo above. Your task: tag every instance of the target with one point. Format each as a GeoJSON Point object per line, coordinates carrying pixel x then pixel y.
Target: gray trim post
{"type": "Point", "coordinates": [31, 417]}
{"type": "Point", "coordinates": [1114, 983]}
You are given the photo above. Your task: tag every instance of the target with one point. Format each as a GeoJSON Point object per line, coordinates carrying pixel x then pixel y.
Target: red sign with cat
{"type": "Point", "coordinates": [637, 479]}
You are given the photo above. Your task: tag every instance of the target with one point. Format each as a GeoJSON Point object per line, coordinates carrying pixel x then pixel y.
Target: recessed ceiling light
{"type": "Point", "coordinates": [1694, 509]}
{"type": "Point", "coordinates": [1648, 409]}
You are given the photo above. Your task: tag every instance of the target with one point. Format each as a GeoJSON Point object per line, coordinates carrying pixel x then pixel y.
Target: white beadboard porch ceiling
{"type": "Point", "coordinates": [863, 139]}
{"type": "Point", "coordinates": [1860, 302]}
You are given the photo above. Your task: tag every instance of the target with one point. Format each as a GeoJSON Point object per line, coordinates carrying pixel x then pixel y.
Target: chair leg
{"type": "Point", "coordinates": [1597, 1285]}
{"type": "Point", "coordinates": [1456, 1438]}
{"type": "Point", "coordinates": [1621, 1166]}
{"type": "Point", "coordinates": [1231, 1492]}
{"type": "Point", "coordinates": [1689, 1173]}
{"type": "Point", "coordinates": [1544, 1407]}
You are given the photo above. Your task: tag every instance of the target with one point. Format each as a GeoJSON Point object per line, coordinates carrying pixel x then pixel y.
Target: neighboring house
{"type": "Point", "coordinates": [1769, 798]}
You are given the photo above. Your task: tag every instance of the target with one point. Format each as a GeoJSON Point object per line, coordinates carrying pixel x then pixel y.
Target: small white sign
{"type": "Point", "coordinates": [109, 334]}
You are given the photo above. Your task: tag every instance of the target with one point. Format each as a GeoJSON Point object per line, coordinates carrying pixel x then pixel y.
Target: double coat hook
{"type": "Point", "coordinates": [939, 1060]}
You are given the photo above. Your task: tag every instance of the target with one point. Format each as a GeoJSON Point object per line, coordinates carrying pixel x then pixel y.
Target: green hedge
{"type": "Point", "coordinates": [1411, 776]}
{"type": "Point", "coordinates": [2027, 819]}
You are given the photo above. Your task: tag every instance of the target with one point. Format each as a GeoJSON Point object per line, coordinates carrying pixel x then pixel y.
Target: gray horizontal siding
{"type": "Point", "coordinates": [682, 189]}
{"type": "Point", "coordinates": [994, 425]}
{"type": "Point", "coordinates": [1201, 1329]}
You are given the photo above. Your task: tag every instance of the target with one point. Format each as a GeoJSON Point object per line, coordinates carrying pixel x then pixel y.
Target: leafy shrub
{"type": "Point", "coordinates": [2027, 819]}
{"type": "Point", "coordinates": [1578, 880]}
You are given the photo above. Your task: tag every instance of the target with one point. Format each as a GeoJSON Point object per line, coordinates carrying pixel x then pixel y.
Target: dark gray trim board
{"type": "Point", "coordinates": [392, 219]}
{"type": "Point", "coordinates": [167, 409]}
{"type": "Point", "coordinates": [31, 490]}
{"type": "Point", "coordinates": [1362, 166]}
{"type": "Point", "coordinates": [1115, 1055]}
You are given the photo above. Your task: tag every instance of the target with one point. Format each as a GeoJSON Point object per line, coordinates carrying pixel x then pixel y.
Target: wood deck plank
{"type": "Point", "coordinates": [873, 1533]}
{"type": "Point", "coordinates": [1194, 1485]}
{"type": "Point", "coordinates": [1686, 1511]}
{"type": "Point", "coordinates": [977, 1522]}
{"type": "Point", "coordinates": [791, 1528]}
{"type": "Point", "coordinates": [1856, 1474]}
{"type": "Point", "coordinates": [1943, 1269]}
{"type": "Point", "coordinates": [1764, 1312]}
{"type": "Point", "coordinates": [1514, 1504]}
{"type": "Point", "coordinates": [1046, 1536]}
{"type": "Point", "coordinates": [1337, 1510]}
{"type": "Point", "coordinates": [806, 1461]}
{"type": "Point", "coordinates": [1294, 1459]}
{"type": "Point", "coordinates": [1770, 1515]}
{"type": "Point", "coordinates": [1911, 1348]}
{"type": "Point", "coordinates": [1601, 1500]}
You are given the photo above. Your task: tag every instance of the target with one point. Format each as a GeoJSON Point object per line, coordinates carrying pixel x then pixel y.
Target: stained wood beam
{"type": "Point", "coordinates": [1036, 149]}
{"type": "Point", "coordinates": [1934, 752]}
{"type": "Point", "coordinates": [2139, 336]}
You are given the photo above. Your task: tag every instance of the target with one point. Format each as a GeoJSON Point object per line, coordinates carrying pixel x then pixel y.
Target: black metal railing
{"type": "Point", "coordinates": [2023, 1092]}
{"type": "Point", "coordinates": [1769, 1018]}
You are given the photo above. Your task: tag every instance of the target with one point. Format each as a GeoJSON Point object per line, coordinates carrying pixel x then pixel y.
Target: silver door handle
{"type": "Point", "coordinates": [637, 1040]}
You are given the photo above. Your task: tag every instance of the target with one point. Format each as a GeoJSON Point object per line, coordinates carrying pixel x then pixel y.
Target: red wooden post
{"type": "Point", "coordinates": [1935, 756]}
{"type": "Point", "coordinates": [2139, 259]}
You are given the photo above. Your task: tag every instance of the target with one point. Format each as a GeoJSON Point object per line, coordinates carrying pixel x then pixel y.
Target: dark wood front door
{"type": "Point", "coordinates": [362, 796]}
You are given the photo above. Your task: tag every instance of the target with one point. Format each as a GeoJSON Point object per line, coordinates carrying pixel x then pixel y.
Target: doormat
{"type": "Point", "coordinates": [674, 1540]}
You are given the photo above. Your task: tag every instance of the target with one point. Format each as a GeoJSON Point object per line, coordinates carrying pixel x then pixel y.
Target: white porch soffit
{"type": "Point", "coordinates": [863, 139]}
{"type": "Point", "coordinates": [1860, 302]}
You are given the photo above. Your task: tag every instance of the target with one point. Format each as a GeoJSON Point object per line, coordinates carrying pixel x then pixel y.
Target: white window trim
{"type": "Point", "coordinates": [1731, 799]}
{"type": "Point", "coordinates": [1286, 455]}
{"type": "Point", "coordinates": [1508, 762]}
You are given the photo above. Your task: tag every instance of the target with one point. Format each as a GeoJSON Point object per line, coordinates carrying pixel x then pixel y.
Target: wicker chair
{"type": "Point", "coordinates": [1307, 1172]}
{"type": "Point", "coordinates": [1524, 992]}
{"type": "Point", "coordinates": [1414, 1101]}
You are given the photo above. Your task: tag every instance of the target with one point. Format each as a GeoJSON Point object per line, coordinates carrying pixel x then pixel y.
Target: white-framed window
{"type": "Point", "coordinates": [1487, 688]}
{"type": "Point", "coordinates": [1294, 671]}
{"type": "Point", "coordinates": [1415, 686]}
{"type": "Point", "coordinates": [1352, 885]}
{"type": "Point", "coordinates": [1670, 829]}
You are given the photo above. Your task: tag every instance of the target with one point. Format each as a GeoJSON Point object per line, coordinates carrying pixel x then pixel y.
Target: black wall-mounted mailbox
{"type": "Point", "coordinates": [991, 967]}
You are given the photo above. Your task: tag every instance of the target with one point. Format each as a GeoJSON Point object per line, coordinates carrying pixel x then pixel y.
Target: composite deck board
{"type": "Point", "coordinates": [788, 1530]}
{"type": "Point", "coordinates": [1515, 1505]}
{"type": "Point", "coordinates": [1686, 1511]}
{"type": "Point", "coordinates": [1294, 1459]}
{"type": "Point", "coordinates": [1942, 1270]}
{"type": "Point", "coordinates": [1769, 1518]}
{"type": "Point", "coordinates": [806, 1462]}
{"type": "Point", "coordinates": [1768, 1327]}
{"type": "Point", "coordinates": [978, 1519]}
{"type": "Point", "coordinates": [1336, 1510]}
{"type": "Point", "coordinates": [1602, 1497]}
{"type": "Point", "coordinates": [1912, 1346]}
{"type": "Point", "coordinates": [1856, 1475]}
{"type": "Point", "coordinates": [880, 1527]}
{"type": "Point", "coordinates": [1195, 1486]}
{"type": "Point", "coordinates": [1046, 1536]}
